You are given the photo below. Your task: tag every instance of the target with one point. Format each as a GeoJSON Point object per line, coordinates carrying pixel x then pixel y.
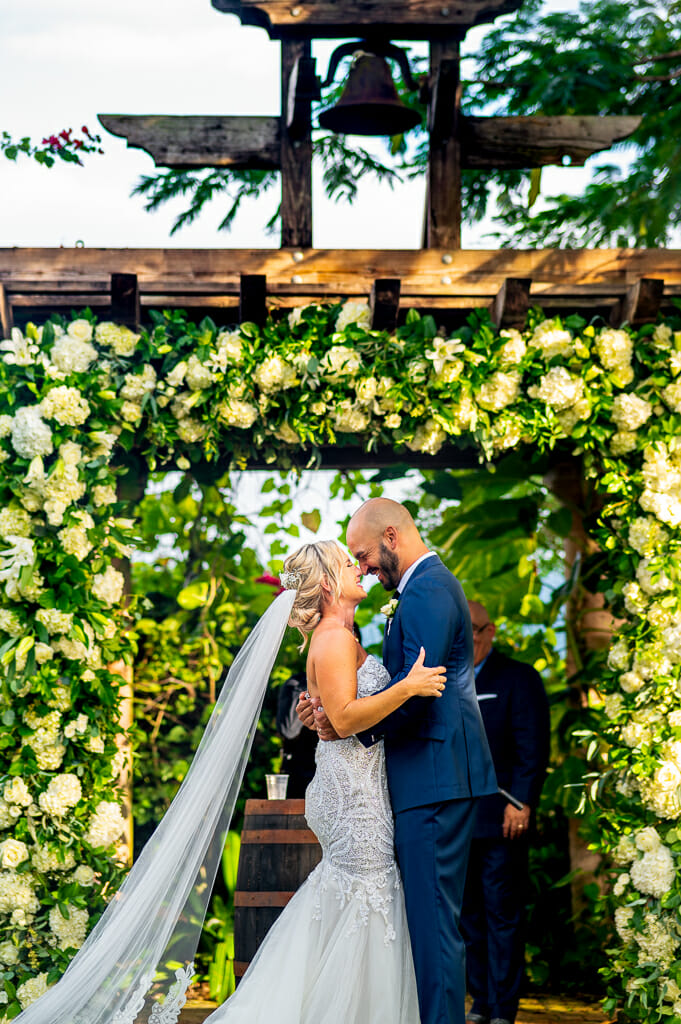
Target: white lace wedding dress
{"type": "Point", "coordinates": [340, 952]}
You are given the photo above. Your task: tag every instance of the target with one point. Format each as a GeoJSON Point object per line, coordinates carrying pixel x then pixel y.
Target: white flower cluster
{"type": "Point", "coordinates": [70, 931]}
{"type": "Point", "coordinates": [108, 586]}
{"type": "Point", "coordinates": [350, 418]}
{"type": "Point", "coordinates": [662, 478]}
{"type": "Point", "coordinates": [428, 437]}
{"type": "Point", "coordinates": [55, 621]}
{"type": "Point", "coordinates": [63, 793]}
{"type": "Point", "coordinates": [12, 853]}
{"type": "Point", "coordinates": [339, 363]}
{"type": "Point", "coordinates": [18, 898]}
{"type": "Point", "coordinates": [229, 352]}
{"type": "Point", "coordinates": [44, 740]}
{"type": "Point", "coordinates": [275, 374]}
{"type": "Point", "coordinates": [19, 350]}
{"type": "Point", "coordinates": [236, 413]}
{"type": "Point", "coordinates": [105, 825]}
{"type": "Point", "coordinates": [558, 388]}
{"type": "Point", "coordinates": [551, 340]}
{"type": "Point", "coordinates": [74, 539]}
{"type": "Point", "coordinates": [31, 435]}
{"type": "Point", "coordinates": [500, 390]}
{"type": "Point", "coordinates": [513, 349]}
{"type": "Point", "coordinates": [31, 990]}
{"type": "Point", "coordinates": [46, 860]}
{"type": "Point", "coordinates": [121, 339]}
{"type": "Point", "coordinates": [66, 405]}
{"type": "Point", "coordinates": [73, 354]}
{"type": "Point", "coordinates": [15, 522]}
{"type": "Point", "coordinates": [615, 349]}
{"type": "Point", "coordinates": [354, 313]}
{"type": "Point", "coordinates": [653, 873]}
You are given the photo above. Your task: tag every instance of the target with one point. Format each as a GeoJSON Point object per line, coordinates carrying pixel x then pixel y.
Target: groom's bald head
{"type": "Point", "coordinates": [384, 539]}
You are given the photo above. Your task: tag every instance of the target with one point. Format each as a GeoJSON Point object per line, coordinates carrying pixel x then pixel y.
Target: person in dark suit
{"type": "Point", "coordinates": [437, 756]}
{"type": "Point", "coordinates": [515, 711]}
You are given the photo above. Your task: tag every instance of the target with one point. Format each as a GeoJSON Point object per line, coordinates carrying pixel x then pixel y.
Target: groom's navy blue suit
{"type": "Point", "coordinates": [438, 764]}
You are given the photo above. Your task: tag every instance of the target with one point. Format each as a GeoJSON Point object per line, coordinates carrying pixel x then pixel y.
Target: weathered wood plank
{"type": "Point", "coordinates": [443, 189]}
{"type": "Point", "coordinates": [182, 142]}
{"type": "Point", "coordinates": [346, 271]}
{"type": "Point", "coordinates": [295, 151]}
{"type": "Point", "coordinates": [641, 303]}
{"type": "Point", "coordinates": [409, 19]}
{"type": "Point", "coordinates": [6, 321]}
{"type": "Point", "coordinates": [384, 302]}
{"type": "Point", "coordinates": [518, 142]}
{"type": "Point", "coordinates": [512, 302]}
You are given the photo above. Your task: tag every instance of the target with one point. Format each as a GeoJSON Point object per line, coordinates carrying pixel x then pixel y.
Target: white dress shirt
{"type": "Point", "coordinates": [407, 574]}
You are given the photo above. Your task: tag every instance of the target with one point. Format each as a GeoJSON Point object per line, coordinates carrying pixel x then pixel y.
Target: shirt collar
{"type": "Point", "coordinates": [407, 574]}
{"type": "Point", "coordinates": [477, 668]}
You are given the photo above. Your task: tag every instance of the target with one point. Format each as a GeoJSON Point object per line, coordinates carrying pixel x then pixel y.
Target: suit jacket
{"type": "Point", "coordinates": [515, 711]}
{"type": "Point", "coordinates": [435, 747]}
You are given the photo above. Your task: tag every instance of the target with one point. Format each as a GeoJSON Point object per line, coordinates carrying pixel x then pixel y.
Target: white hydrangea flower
{"type": "Point", "coordinates": [558, 388]}
{"type": "Point", "coordinates": [10, 623]}
{"type": "Point", "coordinates": [620, 886]}
{"type": "Point", "coordinates": [190, 430]}
{"type": "Point", "coordinates": [393, 421]}
{"type": "Point", "coordinates": [623, 916]}
{"type": "Point", "coordinates": [121, 339]}
{"type": "Point", "coordinates": [657, 945]}
{"type": "Point", "coordinates": [31, 435]}
{"type": "Point", "coordinates": [198, 376]}
{"type": "Point", "coordinates": [287, 434]}
{"type": "Point", "coordinates": [79, 329]}
{"type": "Point", "coordinates": [137, 385]}
{"type": "Point", "coordinates": [654, 873]}
{"type": "Point", "coordinates": [500, 390]}
{"type": "Point", "coordinates": [646, 536]}
{"type": "Point", "coordinates": [230, 352]}
{"type": "Point", "coordinates": [9, 954]}
{"type": "Point", "coordinates": [635, 601]}
{"type": "Point", "coordinates": [647, 839]}
{"type": "Point", "coordinates": [275, 374]}
{"type": "Point", "coordinates": [17, 893]}
{"type": "Point", "coordinates": [634, 735]}
{"type": "Point", "coordinates": [428, 437]}
{"type": "Point", "coordinates": [73, 355]}
{"type": "Point", "coordinates": [95, 744]}
{"type": "Point", "coordinates": [71, 930]}
{"type": "Point", "coordinates": [74, 539]}
{"type": "Point", "coordinates": [45, 860]}
{"type": "Point", "coordinates": [108, 586]}
{"type": "Point", "coordinates": [671, 395]}
{"type": "Point", "coordinates": [631, 682]}
{"type": "Point", "coordinates": [652, 578]}
{"type": "Point", "coordinates": [630, 412]}
{"type": "Point", "coordinates": [63, 792]}
{"type": "Point", "coordinates": [55, 621]}
{"type": "Point", "coordinates": [104, 443]}
{"type": "Point", "coordinates": [350, 418]}
{"type": "Point", "coordinates": [354, 313]}
{"type": "Point", "coordinates": [618, 656]}
{"type": "Point", "coordinates": [104, 494]}
{"type": "Point", "coordinates": [235, 413]}
{"type": "Point", "coordinates": [21, 552]}
{"type": "Point", "coordinates": [614, 347]}
{"type": "Point", "coordinates": [662, 336]}
{"type": "Point", "coordinates": [625, 851]}
{"type": "Point", "coordinates": [507, 431]}
{"type": "Point", "coordinates": [105, 825]}
{"type": "Point", "coordinates": [552, 340]}
{"type": "Point", "coordinates": [513, 350]}
{"type": "Point", "coordinates": [31, 990]}
{"type": "Point", "coordinates": [66, 405]}
{"type": "Point", "coordinates": [15, 522]}
{"type": "Point", "coordinates": [340, 362]}
{"type": "Point", "coordinates": [623, 442]}
{"type": "Point", "coordinates": [366, 389]}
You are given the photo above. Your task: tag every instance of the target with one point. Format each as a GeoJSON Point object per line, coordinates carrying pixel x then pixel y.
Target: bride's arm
{"type": "Point", "coordinates": [334, 660]}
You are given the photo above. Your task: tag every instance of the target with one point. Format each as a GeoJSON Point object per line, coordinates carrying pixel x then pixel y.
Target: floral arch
{"type": "Point", "coordinates": [75, 394]}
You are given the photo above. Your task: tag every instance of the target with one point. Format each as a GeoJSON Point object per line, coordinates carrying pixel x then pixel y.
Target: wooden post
{"type": "Point", "coordinates": [296, 152]}
{"type": "Point", "coordinates": [253, 299]}
{"type": "Point", "coordinates": [443, 220]}
{"type": "Point", "coordinates": [509, 307]}
{"type": "Point", "coordinates": [384, 303]}
{"type": "Point", "coordinates": [641, 303]}
{"type": "Point", "coordinates": [125, 300]}
{"type": "Point", "coordinates": [6, 319]}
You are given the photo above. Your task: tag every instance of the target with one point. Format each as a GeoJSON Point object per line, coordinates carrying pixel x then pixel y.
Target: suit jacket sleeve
{"type": "Point", "coordinates": [531, 735]}
{"type": "Point", "coordinates": [428, 617]}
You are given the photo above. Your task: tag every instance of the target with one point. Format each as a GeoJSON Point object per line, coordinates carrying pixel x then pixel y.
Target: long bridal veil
{"type": "Point", "coordinates": [137, 962]}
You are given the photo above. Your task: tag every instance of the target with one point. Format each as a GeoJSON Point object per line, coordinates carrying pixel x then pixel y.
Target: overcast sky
{"type": "Point", "coordinates": [64, 61]}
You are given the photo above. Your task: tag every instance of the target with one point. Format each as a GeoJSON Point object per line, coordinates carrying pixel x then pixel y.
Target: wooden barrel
{"type": "Point", "coordinates": [278, 852]}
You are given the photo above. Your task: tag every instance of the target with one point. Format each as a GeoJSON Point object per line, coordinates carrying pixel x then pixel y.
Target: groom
{"type": "Point", "coordinates": [437, 758]}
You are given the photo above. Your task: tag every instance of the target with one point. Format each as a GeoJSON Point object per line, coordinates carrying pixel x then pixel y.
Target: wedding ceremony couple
{"type": "Point", "coordinates": [373, 936]}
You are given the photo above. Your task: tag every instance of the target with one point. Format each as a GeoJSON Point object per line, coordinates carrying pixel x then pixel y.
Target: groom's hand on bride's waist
{"type": "Point", "coordinates": [312, 715]}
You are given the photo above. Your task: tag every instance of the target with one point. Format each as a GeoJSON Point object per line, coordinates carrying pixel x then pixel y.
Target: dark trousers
{"type": "Point", "coordinates": [492, 924]}
{"type": "Point", "coordinates": [432, 846]}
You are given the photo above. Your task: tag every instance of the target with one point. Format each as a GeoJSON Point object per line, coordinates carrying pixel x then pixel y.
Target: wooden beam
{"type": "Point", "coordinates": [641, 303]}
{"type": "Point", "coordinates": [428, 273]}
{"type": "Point", "coordinates": [443, 192]}
{"type": "Point", "coordinates": [200, 140]}
{"type": "Point", "coordinates": [322, 19]}
{"type": "Point", "coordinates": [295, 150]}
{"type": "Point", "coordinates": [6, 320]}
{"type": "Point", "coordinates": [384, 302]}
{"type": "Point", "coordinates": [512, 302]}
{"type": "Point", "coordinates": [520, 142]}
{"type": "Point", "coordinates": [125, 300]}
{"type": "Point", "coordinates": [253, 299]}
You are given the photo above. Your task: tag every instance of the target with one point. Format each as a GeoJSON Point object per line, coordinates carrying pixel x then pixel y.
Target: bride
{"type": "Point", "coordinates": [340, 951]}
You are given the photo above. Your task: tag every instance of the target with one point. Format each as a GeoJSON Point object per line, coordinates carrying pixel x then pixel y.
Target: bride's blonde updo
{"type": "Point", "coordinates": [303, 572]}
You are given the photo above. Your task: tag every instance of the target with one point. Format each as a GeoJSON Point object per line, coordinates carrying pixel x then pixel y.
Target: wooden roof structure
{"type": "Point", "coordinates": [233, 285]}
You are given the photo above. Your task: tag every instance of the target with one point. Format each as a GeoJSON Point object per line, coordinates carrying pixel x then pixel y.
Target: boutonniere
{"type": "Point", "coordinates": [390, 608]}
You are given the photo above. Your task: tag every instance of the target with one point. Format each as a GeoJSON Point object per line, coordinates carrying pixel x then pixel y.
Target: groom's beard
{"type": "Point", "coordinates": [389, 565]}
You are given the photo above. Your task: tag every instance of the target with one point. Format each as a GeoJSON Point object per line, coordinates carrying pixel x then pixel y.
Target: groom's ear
{"type": "Point", "coordinates": [390, 537]}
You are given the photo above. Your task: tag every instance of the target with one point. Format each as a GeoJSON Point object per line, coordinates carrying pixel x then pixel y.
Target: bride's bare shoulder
{"type": "Point", "coordinates": [331, 638]}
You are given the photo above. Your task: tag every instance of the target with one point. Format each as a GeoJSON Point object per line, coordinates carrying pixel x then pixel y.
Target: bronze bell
{"type": "Point", "coordinates": [369, 104]}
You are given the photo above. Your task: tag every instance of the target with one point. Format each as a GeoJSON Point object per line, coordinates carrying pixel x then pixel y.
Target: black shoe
{"type": "Point", "coordinates": [500, 1020]}
{"type": "Point", "coordinates": [477, 1018]}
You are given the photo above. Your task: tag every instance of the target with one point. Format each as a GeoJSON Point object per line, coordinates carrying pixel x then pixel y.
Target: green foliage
{"type": "Point", "coordinates": [65, 146]}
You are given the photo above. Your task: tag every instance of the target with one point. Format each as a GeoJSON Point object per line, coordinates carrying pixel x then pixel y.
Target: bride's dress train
{"type": "Point", "coordinates": [340, 952]}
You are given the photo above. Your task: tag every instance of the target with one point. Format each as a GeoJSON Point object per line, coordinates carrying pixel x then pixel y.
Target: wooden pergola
{"type": "Point", "coordinates": [233, 285]}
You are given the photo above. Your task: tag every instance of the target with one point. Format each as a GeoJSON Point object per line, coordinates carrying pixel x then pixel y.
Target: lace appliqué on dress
{"type": "Point", "coordinates": [167, 1012]}
{"type": "Point", "coordinates": [375, 894]}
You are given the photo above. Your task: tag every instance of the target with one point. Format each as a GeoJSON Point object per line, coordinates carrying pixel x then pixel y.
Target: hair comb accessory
{"type": "Point", "coordinates": [290, 580]}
